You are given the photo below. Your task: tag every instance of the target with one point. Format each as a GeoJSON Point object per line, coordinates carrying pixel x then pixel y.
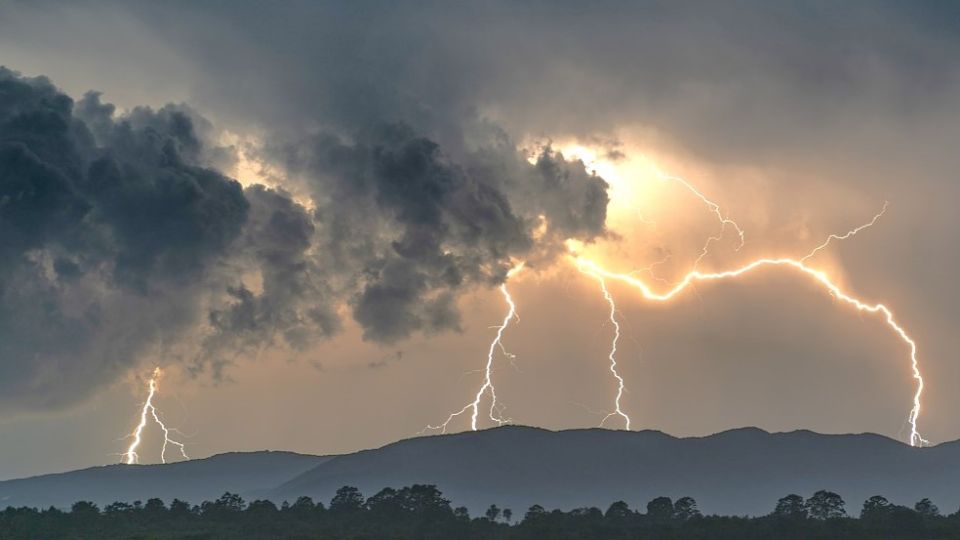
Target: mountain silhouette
{"type": "Point", "coordinates": [194, 480]}
{"type": "Point", "coordinates": [737, 472]}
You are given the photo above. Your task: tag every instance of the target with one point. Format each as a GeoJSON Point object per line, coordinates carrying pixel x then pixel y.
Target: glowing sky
{"type": "Point", "coordinates": [798, 122]}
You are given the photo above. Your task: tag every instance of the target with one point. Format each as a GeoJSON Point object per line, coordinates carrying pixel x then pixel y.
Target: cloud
{"type": "Point", "coordinates": [413, 227]}
{"type": "Point", "coordinates": [93, 233]}
{"type": "Point", "coordinates": [121, 240]}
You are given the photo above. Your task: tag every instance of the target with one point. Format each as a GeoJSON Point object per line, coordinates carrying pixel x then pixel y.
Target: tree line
{"type": "Point", "coordinates": [421, 511]}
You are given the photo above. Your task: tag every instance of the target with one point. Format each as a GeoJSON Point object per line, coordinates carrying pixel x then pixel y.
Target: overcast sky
{"type": "Point", "coordinates": [303, 212]}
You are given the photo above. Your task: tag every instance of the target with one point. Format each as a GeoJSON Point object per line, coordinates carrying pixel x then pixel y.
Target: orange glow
{"type": "Point", "coordinates": [623, 199]}
{"type": "Point", "coordinates": [817, 276]}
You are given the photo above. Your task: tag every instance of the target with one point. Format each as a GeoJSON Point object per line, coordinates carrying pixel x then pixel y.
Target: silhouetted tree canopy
{"type": "Point", "coordinates": [686, 508]}
{"type": "Point", "coordinates": [791, 507]}
{"type": "Point", "coordinates": [492, 513]}
{"type": "Point", "coordinates": [421, 512]}
{"type": "Point", "coordinates": [826, 505]}
{"type": "Point", "coordinates": [875, 507]}
{"type": "Point", "coordinates": [660, 508]}
{"type": "Point", "coordinates": [618, 511]}
{"type": "Point", "coordinates": [347, 499]}
{"type": "Point", "coordinates": [926, 508]}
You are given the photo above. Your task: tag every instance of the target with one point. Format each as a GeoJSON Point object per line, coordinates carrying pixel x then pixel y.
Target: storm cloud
{"type": "Point", "coordinates": [120, 238]}
{"type": "Point", "coordinates": [92, 235]}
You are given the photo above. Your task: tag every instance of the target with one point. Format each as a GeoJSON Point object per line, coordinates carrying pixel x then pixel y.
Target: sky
{"type": "Point", "coordinates": [303, 212]}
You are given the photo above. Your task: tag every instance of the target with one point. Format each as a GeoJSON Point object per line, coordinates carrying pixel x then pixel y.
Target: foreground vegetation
{"type": "Point", "coordinates": [420, 511]}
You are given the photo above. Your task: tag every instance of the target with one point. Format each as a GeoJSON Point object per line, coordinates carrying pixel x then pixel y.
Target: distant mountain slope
{"type": "Point", "coordinates": [738, 472]}
{"type": "Point", "coordinates": [194, 481]}
{"type": "Point", "coordinates": [743, 471]}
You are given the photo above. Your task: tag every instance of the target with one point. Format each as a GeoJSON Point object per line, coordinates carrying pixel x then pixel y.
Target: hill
{"type": "Point", "coordinates": [195, 480]}
{"type": "Point", "coordinates": [737, 472]}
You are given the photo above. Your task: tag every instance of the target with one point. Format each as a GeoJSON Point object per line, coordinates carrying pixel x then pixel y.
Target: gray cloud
{"type": "Point", "coordinates": [413, 226]}
{"type": "Point", "coordinates": [92, 234]}
{"type": "Point", "coordinates": [121, 238]}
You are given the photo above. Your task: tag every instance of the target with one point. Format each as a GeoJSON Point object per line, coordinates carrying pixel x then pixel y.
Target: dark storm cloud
{"type": "Point", "coordinates": [294, 302]}
{"type": "Point", "coordinates": [120, 239]}
{"type": "Point", "coordinates": [89, 231]}
{"type": "Point", "coordinates": [116, 239]}
{"type": "Point", "coordinates": [691, 70]}
{"type": "Point", "coordinates": [416, 227]}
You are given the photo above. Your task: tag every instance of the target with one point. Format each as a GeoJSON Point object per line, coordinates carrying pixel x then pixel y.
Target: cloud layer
{"type": "Point", "coordinates": [120, 239]}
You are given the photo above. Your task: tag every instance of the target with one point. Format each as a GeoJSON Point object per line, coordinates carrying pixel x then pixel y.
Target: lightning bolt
{"type": "Point", "coordinates": [487, 386]}
{"type": "Point", "coordinates": [848, 234]}
{"type": "Point", "coordinates": [650, 269]}
{"type": "Point", "coordinates": [714, 209]}
{"type": "Point", "coordinates": [817, 276]}
{"type": "Point", "coordinates": [130, 457]}
{"type": "Point", "coordinates": [612, 356]}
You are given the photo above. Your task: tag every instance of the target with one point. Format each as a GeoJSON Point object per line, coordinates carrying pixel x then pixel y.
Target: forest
{"type": "Point", "coordinates": [421, 511]}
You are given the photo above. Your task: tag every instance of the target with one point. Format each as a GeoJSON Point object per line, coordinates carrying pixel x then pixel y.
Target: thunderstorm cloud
{"type": "Point", "coordinates": [120, 237]}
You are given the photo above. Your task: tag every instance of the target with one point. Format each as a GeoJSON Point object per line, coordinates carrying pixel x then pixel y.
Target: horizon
{"type": "Point", "coordinates": [480, 468]}
{"type": "Point", "coordinates": [486, 429]}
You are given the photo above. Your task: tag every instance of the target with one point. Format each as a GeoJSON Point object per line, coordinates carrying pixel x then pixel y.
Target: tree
{"type": "Point", "coordinates": [230, 502]}
{"type": "Point", "coordinates": [261, 509]}
{"type": "Point", "coordinates": [116, 508]}
{"type": "Point", "coordinates": [461, 513]}
{"type": "Point", "coordinates": [85, 514]}
{"type": "Point", "coordinates": [179, 508]}
{"type": "Point", "coordinates": [385, 502]}
{"type": "Point", "coordinates": [507, 515]}
{"type": "Point", "coordinates": [660, 509]}
{"type": "Point", "coordinates": [686, 508]}
{"type": "Point", "coordinates": [84, 508]}
{"type": "Point", "coordinates": [155, 506]}
{"type": "Point", "coordinates": [792, 506]}
{"type": "Point", "coordinates": [425, 500]}
{"type": "Point", "coordinates": [926, 508]}
{"type": "Point", "coordinates": [492, 513]}
{"type": "Point", "coordinates": [303, 505]}
{"type": "Point", "coordinates": [534, 513]}
{"type": "Point", "coordinates": [618, 511]}
{"type": "Point", "coordinates": [875, 507]}
{"type": "Point", "coordinates": [347, 499]}
{"type": "Point", "coordinates": [226, 505]}
{"type": "Point", "coordinates": [826, 505]}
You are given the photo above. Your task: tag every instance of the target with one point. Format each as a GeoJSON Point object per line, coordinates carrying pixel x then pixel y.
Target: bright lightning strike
{"type": "Point", "coordinates": [795, 264]}
{"type": "Point", "coordinates": [714, 208]}
{"type": "Point", "coordinates": [848, 234]}
{"type": "Point", "coordinates": [487, 386]}
{"type": "Point", "coordinates": [612, 356]}
{"type": "Point", "coordinates": [130, 457]}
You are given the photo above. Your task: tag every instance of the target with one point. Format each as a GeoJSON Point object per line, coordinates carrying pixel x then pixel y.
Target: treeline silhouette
{"type": "Point", "coordinates": [421, 511]}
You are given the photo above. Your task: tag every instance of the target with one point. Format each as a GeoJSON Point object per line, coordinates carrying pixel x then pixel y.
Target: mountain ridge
{"type": "Point", "coordinates": [737, 471]}
{"type": "Point", "coordinates": [193, 480]}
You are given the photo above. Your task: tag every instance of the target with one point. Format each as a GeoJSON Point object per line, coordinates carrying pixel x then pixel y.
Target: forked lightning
{"type": "Point", "coordinates": [130, 457]}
